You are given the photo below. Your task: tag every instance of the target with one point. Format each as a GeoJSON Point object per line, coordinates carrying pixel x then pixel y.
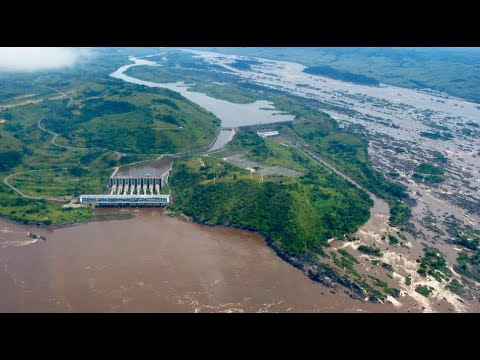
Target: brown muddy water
{"type": "Point", "coordinates": [155, 263]}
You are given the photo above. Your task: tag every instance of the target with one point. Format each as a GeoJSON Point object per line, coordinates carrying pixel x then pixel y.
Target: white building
{"type": "Point", "coordinates": [265, 134]}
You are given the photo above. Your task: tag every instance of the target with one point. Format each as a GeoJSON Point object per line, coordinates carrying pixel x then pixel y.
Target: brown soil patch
{"type": "Point", "coordinates": [26, 102]}
{"type": "Point", "coordinates": [24, 96]}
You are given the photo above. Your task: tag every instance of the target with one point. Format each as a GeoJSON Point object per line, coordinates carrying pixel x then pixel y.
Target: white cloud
{"type": "Point", "coordinates": [21, 59]}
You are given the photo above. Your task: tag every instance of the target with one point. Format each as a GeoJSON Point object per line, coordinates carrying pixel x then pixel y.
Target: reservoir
{"type": "Point", "coordinates": [231, 114]}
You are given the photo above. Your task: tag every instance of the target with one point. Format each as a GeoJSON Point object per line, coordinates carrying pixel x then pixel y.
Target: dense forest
{"type": "Point", "coordinates": [9, 159]}
{"type": "Point", "coordinates": [299, 214]}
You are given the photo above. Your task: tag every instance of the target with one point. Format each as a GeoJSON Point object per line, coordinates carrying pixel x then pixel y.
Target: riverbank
{"type": "Point", "coordinates": [307, 263]}
{"type": "Point", "coordinates": [152, 221]}
{"type": "Point", "coordinates": [98, 217]}
{"type": "Point", "coordinates": [155, 263]}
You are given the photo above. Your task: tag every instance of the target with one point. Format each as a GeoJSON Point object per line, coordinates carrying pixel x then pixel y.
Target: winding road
{"type": "Point", "coordinates": [55, 135]}
{"type": "Point", "coordinates": [28, 196]}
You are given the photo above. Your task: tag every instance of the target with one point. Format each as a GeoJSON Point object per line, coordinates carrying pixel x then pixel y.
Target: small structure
{"type": "Point", "coordinates": [267, 133]}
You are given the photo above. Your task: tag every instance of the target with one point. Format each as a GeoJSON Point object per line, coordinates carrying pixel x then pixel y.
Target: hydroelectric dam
{"type": "Point", "coordinates": [143, 184]}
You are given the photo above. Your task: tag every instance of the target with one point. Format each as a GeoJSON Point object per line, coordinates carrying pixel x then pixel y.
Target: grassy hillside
{"type": "Point", "coordinates": [105, 116]}
{"type": "Point", "coordinates": [134, 119]}
{"type": "Point", "coordinates": [299, 214]}
{"type": "Point", "coordinates": [18, 209]}
{"type": "Point", "coordinates": [349, 153]}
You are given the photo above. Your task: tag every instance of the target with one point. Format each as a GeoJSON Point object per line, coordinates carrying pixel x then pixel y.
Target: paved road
{"type": "Point", "coordinates": [303, 147]}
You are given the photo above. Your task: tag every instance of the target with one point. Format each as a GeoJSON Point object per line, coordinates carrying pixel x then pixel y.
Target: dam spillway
{"type": "Point", "coordinates": [148, 178]}
{"type": "Point", "coordinates": [135, 185]}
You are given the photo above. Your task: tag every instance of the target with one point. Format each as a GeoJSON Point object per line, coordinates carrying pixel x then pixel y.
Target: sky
{"type": "Point", "coordinates": [27, 59]}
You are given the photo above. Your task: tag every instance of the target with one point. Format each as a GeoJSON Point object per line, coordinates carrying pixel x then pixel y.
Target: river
{"type": "Point", "coordinates": [231, 114]}
{"type": "Point", "coordinates": [155, 263]}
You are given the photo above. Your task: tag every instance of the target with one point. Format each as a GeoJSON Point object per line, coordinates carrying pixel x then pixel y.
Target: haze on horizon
{"type": "Point", "coordinates": [29, 59]}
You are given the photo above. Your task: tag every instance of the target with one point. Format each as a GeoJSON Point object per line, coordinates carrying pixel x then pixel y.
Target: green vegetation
{"type": "Point", "coordinates": [434, 179]}
{"type": "Point", "coordinates": [341, 75]}
{"type": "Point", "coordinates": [392, 239]}
{"type": "Point", "coordinates": [57, 183]}
{"type": "Point", "coordinates": [388, 267]}
{"type": "Point", "coordinates": [429, 173]}
{"type": "Point", "coordinates": [349, 256]}
{"type": "Point", "coordinates": [433, 263]}
{"type": "Point", "coordinates": [469, 244]}
{"type": "Point", "coordinates": [134, 120]}
{"type": "Point", "coordinates": [384, 265]}
{"type": "Point", "coordinates": [456, 287]}
{"type": "Point", "coordinates": [439, 157]}
{"type": "Point", "coordinates": [270, 152]}
{"type": "Point", "coordinates": [297, 214]}
{"type": "Point", "coordinates": [451, 70]}
{"type": "Point", "coordinates": [424, 290]}
{"type": "Point", "coordinates": [349, 153]}
{"type": "Point", "coordinates": [408, 280]}
{"type": "Point", "coordinates": [9, 159]}
{"type": "Point", "coordinates": [437, 135]}
{"type": "Point", "coordinates": [429, 169]}
{"type": "Point", "coordinates": [42, 212]}
{"type": "Point", "coordinates": [469, 266]}
{"type": "Point", "coordinates": [463, 235]}
{"type": "Point", "coordinates": [346, 262]}
{"type": "Point", "coordinates": [244, 64]}
{"type": "Point", "coordinates": [388, 290]}
{"type": "Point", "coordinates": [106, 115]}
{"type": "Point", "coordinates": [370, 250]}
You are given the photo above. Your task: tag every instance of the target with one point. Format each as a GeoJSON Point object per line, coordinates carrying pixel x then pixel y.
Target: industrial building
{"type": "Point", "coordinates": [138, 185]}
{"type": "Point", "coordinates": [267, 133]}
{"type": "Point", "coordinates": [125, 200]}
